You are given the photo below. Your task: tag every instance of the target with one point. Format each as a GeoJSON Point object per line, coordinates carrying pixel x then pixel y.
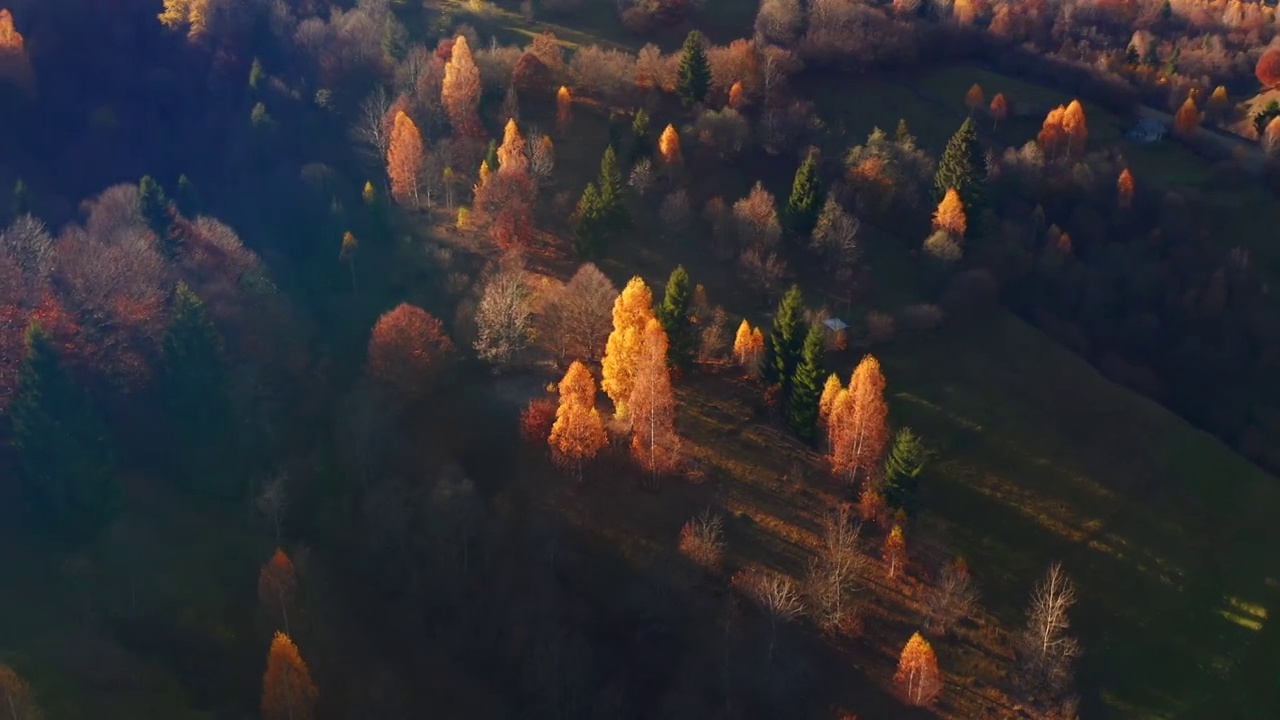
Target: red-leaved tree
{"type": "Point", "coordinates": [406, 350]}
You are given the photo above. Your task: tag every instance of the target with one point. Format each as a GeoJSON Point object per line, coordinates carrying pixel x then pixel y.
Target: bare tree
{"type": "Point", "coordinates": [371, 128]}
{"type": "Point", "coordinates": [702, 539]}
{"type": "Point", "coordinates": [641, 179]}
{"type": "Point", "coordinates": [674, 212]}
{"type": "Point", "coordinates": [775, 594]}
{"type": "Point", "coordinates": [504, 316]}
{"type": "Point", "coordinates": [1045, 650]}
{"type": "Point", "coordinates": [762, 268]}
{"type": "Point", "coordinates": [713, 337]}
{"type": "Point", "coordinates": [951, 599]}
{"type": "Point", "coordinates": [833, 574]}
{"type": "Point", "coordinates": [836, 236]}
{"type": "Point", "coordinates": [580, 315]}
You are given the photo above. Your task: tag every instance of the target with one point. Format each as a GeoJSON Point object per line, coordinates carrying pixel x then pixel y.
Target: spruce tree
{"type": "Point", "coordinates": [196, 389]}
{"type": "Point", "coordinates": [611, 190]}
{"type": "Point", "coordinates": [589, 230]}
{"type": "Point", "coordinates": [694, 75]}
{"type": "Point", "coordinates": [902, 468]}
{"type": "Point", "coordinates": [806, 386]}
{"type": "Point", "coordinates": [783, 348]}
{"type": "Point", "coordinates": [674, 314]}
{"type": "Point", "coordinates": [641, 143]}
{"type": "Point", "coordinates": [154, 206]}
{"type": "Point", "coordinates": [65, 459]}
{"type": "Point", "coordinates": [903, 134]}
{"type": "Point", "coordinates": [962, 168]}
{"type": "Point", "coordinates": [801, 214]}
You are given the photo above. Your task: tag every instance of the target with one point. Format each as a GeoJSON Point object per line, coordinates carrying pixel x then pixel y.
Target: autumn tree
{"type": "Point", "coordinates": [577, 319]}
{"type": "Point", "coordinates": [1218, 103]}
{"type": "Point", "coordinates": [775, 594]}
{"type": "Point", "coordinates": [895, 551]}
{"type": "Point", "coordinates": [564, 109]}
{"type": "Point", "coordinates": [406, 157]}
{"type": "Point", "coordinates": [836, 236]}
{"type": "Point", "coordinates": [962, 166]}
{"type": "Point", "coordinates": [999, 110]}
{"type": "Point", "coordinates": [513, 152]}
{"type": "Point", "coordinates": [737, 96]}
{"type": "Point", "coordinates": [669, 147]}
{"type": "Point", "coordinates": [1187, 120]}
{"type": "Point", "coordinates": [918, 677]}
{"type": "Point", "coordinates": [1076, 128]}
{"type": "Point", "coordinates": [857, 430]}
{"type": "Point", "coordinates": [1124, 189]}
{"type": "Point", "coordinates": [801, 214]}
{"type": "Point", "coordinates": [542, 160]}
{"type": "Point", "coordinates": [407, 349]}
{"type": "Point", "coordinates": [950, 216]}
{"type": "Point", "coordinates": [974, 99]}
{"type": "Point", "coordinates": [693, 78]}
{"type": "Point", "coordinates": [702, 540]}
{"type": "Point", "coordinates": [652, 406]}
{"type": "Point", "coordinates": [504, 316]}
{"type": "Point", "coordinates": [902, 469]}
{"type": "Point", "coordinates": [537, 419]}
{"type": "Point", "coordinates": [1268, 68]}
{"type": "Point", "coordinates": [192, 14]}
{"type": "Point", "coordinates": [347, 254]}
{"type": "Point", "coordinates": [460, 90]}
{"type": "Point", "coordinates": [836, 569]}
{"type": "Point", "coordinates": [871, 505]}
{"type": "Point", "coordinates": [504, 198]}
{"type": "Point", "coordinates": [674, 313]}
{"type": "Point", "coordinates": [15, 65]}
{"type": "Point", "coordinates": [1045, 649]}
{"type": "Point", "coordinates": [748, 347]}
{"type": "Point", "coordinates": [578, 432]}
{"type": "Point", "coordinates": [287, 690]}
{"type": "Point", "coordinates": [785, 340]}
{"type": "Point", "coordinates": [756, 218]}
{"type": "Point", "coordinates": [951, 598]}
{"type": "Point", "coordinates": [831, 390]}
{"type": "Point", "coordinates": [278, 586]}
{"type": "Point", "coordinates": [17, 701]}
{"type": "Point", "coordinates": [65, 459]}
{"type": "Point", "coordinates": [806, 386]}
{"type": "Point", "coordinates": [632, 311]}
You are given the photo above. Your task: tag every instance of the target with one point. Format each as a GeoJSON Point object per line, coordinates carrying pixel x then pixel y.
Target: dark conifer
{"type": "Point", "coordinates": [806, 386]}
{"type": "Point", "coordinates": [694, 75]}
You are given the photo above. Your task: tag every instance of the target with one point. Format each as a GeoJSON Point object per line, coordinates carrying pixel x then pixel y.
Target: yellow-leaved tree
{"type": "Point", "coordinates": [460, 90]}
{"type": "Point", "coordinates": [405, 158]}
{"type": "Point", "coordinates": [578, 432]}
{"type": "Point", "coordinates": [857, 429]}
{"type": "Point", "coordinates": [652, 405]}
{"type": "Point", "coordinates": [512, 153]}
{"type": "Point", "coordinates": [950, 214]}
{"type": "Point", "coordinates": [918, 677]}
{"type": "Point", "coordinates": [632, 311]}
{"type": "Point", "coordinates": [830, 392]}
{"type": "Point", "coordinates": [669, 146]}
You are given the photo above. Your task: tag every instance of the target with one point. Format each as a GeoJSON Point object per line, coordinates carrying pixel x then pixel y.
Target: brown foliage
{"type": "Point", "coordinates": [949, 216]}
{"type": "Point", "coordinates": [15, 66]}
{"type": "Point", "coordinates": [1065, 131]}
{"type": "Point", "coordinates": [546, 48]}
{"type": "Point", "coordinates": [895, 551]}
{"type": "Point", "coordinates": [737, 96]}
{"type": "Point", "coordinates": [531, 76]}
{"type": "Point", "coordinates": [918, 677]}
{"type": "Point", "coordinates": [536, 420]}
{"type": "Point", "coordinates": [1268, 68]}
{"type": "Point", "coordinates": [406, 350]}
{"type": "Point", "coordinates": [577, 319]}
{"type": "Point", "coordinates": [512, 153]}
{"type": "Point", "coordinates": [1187, 120]}
{"type": "Point", "coordinates": [504, 206]}
{"type": "Point", "coordinates": [1124, 189]}
{"type": "Point", "coordinates": [652, 405]}
{"type": "Point", "coordinates": [278, 586]}
{"type": "Point", "coordinates": [872, 506]}
{"type": "Point", "coordinates": [578, 432]}
{"type": "Point", "coordinates": [756, 218]}
{"type": "Point", "coordinates": [405, 159]}
{"type": "Point", "coordinates": [16, 699]}
{"type": "Point", "coordinates": [702, 540]}
{"type": "Point", "coordinates": [835, 571]}
{"type": "Point", "coordinates": [287, 690]}
{"type": "Point", "coordinates": [460, 91]}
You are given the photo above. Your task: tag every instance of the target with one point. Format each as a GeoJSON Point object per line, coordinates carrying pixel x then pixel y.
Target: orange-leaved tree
{"type": "Point", "coordinates": [1076, 128]}
{"type": "Point", "coordinates": [278, 586]}
{"type": "Point", "coordinates": [406, 349]}
{"type": "Point", "coordinates": [918, 677]}
{"type": "Point", "coordinates": [830, 392]}
{"type": "Point", "coordinates": [1052, 137]}
{"type": "Point", "coordinates": [578, 432]}
{"type": "Point", "coordinates": [1124, 189]}
{"type": "Point", "coordinates": [895, 551]}
{"type": "Point", "coordinates": [737, 96]}
{"type": "Point", "coordinates": [975, 98]}
{"type": "Point", "coordinates": [669, 146]}
{"type": "Point", "coordinates": [405, 158]}
{"type": "Point", "coordinates": [748, 347]}
{"type": "Point", "coordinates": [14, 63]}
{"type": "Point", "coordinates": [632, 311]}
{"type": "Point", "coordinates": [460, 90]}
{"type": "Point", "coordinates": [17, 702]}
{"type": "Point", "coordinates": [512, 153]}
{"type": "Point", "coordinates": [950, 214]}
{"type": "Point", "coordinates": [999, 109]}
{"type": "Point", "coordinates": [1187, 119]}
{"type": "Point", "coordinates": [287, 690]}
{"type": "Point", "coordinates": [564, 109]}
{"type": "Point", "coordinates": [858, 427]}
{"type": "Point", "coordinates": [504, 200]}
{"type": "Point", "coordinates": [652, 405]}
{"type": "Point", "coordinates": [1268, 68]}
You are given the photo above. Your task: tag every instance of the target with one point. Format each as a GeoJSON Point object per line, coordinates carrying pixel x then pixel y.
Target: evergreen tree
{"type": "Point", "coordinates": [611, 190]}
{"type": "Point", "coordinates": [962, 168]}
{"type": "Point", "coordinates": [491, 156]}
{"type": "Point", "coordinates": [783, 349]}
{"type": "Point", "coordinates": [902, 468]}
{"type": "Point", "coordinates": [694, 75]}
{"type": "Point", "coordinates": [588, 233]}
{"type": "Point", "coordinates": [154, 206]}
{"type": "Point", "coordinates": [65, 458]}
{"type": "Point", "coordinates": [801, 213]}
{"type": "Point", "coordinates": [674, 314]}
{"type": "Point", "coordinates": [806, 386]}
{"type": "Point", "coordinates": [903, 134]}
{"type": "Point", "coordinates": [196, 389]}
{"type": "Point", "coordinates": [641, 143]}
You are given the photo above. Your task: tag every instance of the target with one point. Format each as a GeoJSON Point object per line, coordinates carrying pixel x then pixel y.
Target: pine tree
{"type": "Point", "coordinates": [674, 314]}
{"type": "Point", "coordinates": [588, 232]}
{"type": "Point", "coordinates": [806, 386]}
{"type": "Point", "coordinates": [65, 458]}
{"type": "Point", "coordinates": [154, 206]}
{"type": "Point", "coordinates": [693, 78]}
{"type": "Point", "coordinates": [612, 189]}
{"type": "Point", "coordinates": [783, 349]}
{"type": "Point", "coordinates": [962, 166]}
{"type": "Point", "coordinates": [641, 143]}
{"type": "Point", "coordinates": [801, 213]}
{"type": "Point", "coordinates": [902, 469]}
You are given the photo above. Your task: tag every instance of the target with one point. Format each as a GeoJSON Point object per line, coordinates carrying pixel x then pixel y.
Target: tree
{"type": "Point", "coordinates": [537, 419]}
{"type": "Point", "coordinates": [1052, 137]}
{"type": "Point", "coordinates": [756, 218]}
{"type": "Point", "coordinates": [632, 311]}
{"type": "Point", "coordinates": [962, 166]}
{"type": "Point", "coordinates": [834, 572]}
{"type": "Point", "coordinates": [737, 96]}
{"type": "Point", "coordinates": [155, 206]}
{"type": "Point", "coordinates": [347, 254]}
{"type": "Point", "coordinates": [669, 147]}
{"type": "Point", "coordinates": [612, 190]}
{"type": "Point", "coordinates": [504, 316]}
{"type": "Point", "coordinates": [287, 690]}
{"type": "Point", "coordinates": [748, 347]}
{"type": "Point", "coordinates": [1045, 650]}
{"type": "Point", "coordinates": [1268, 68]}
{"type": "Point", "coordinates": [406, 157]}
{"type": "Point", "coordinates": [589, 223]}
{"type": "Point", "coordinates": [278, 586]}
{"type": "Point", "coordinates": [652, 405]}
{"type": "Point", "coordinates": [194, 14]}
{"type": "Point", "coordinates": [1218, 103]}
{"type": "Point", "coordinates": [951, 599]}
{"type": "Point", "coordinates": [1124, 189]}
{"type": "Point", "coordinates": [895, 551]}
{"type": "Point", "coordinates": [831, 390]}
{"type": "Point", "coordinates": [836, 236]}
{"type": "Point", "coordinates": [702, 540]}
{"type": "Point", "coordinates": [785, 339]}
{"type": "Point", "coordinates": [564, 109]}
{"type": "Point", "coordinates": [460, 90]}
{"type": "Point", "coordinates": [999, 110]}
{"type": "Point", "coordinates": [918, 678]}
{"type": "Point", "coordinates": [65, 458]}
{"type": "Point", "coordinates": [543, 159]}
{"type": "Point", "coordinates": [975, 98]}
{"type": "Point", "coordinates": [17, 702]}
{"type": "Point", "coordinates": [641, 143]}
{"type": "Point", "coordinates": [577, 317]}
{"type": "Point", "coordinates": [775, 594]}
{"type": "Point", "coordinates": [693, 78]}
{"type": "Point", "coordinates": [806, 388]}
{"type": "Point", "coordinates": [803, 206]}
{"type": "Point", "coordinates": [871, 505]}
{"type": "Point", "coordinates": [857, 430]}
{"type": "Point", "coordinates": [196, 386]}
{"type": "Point", "coordinates": [1187, 120]}
{"type": "Point", "coordinates": [949, 217]}
{"type": "Point", "coordinates": [407, 349]}
{"type": "Point", "coordinates": [902, 469]}
{"type": "Point", "coordinates": [578, 432]}
{"type": "Point", "coordinates": [674, 314]}
{"type": "Point", "coordinates": [1076, 128]}
{"type": "Point", "coordinates": [513, 154]}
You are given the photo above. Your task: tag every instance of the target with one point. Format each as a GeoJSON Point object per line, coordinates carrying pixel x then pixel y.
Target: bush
{"type": "Point", "coordinates": [702, 540]}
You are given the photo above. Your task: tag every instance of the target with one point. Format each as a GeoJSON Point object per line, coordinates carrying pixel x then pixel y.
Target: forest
{"type": "Point", "coordinates": [838, 359]}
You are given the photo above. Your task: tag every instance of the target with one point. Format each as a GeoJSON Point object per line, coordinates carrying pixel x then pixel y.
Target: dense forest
{"type": "Point", "coordinates": [658, 358]}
